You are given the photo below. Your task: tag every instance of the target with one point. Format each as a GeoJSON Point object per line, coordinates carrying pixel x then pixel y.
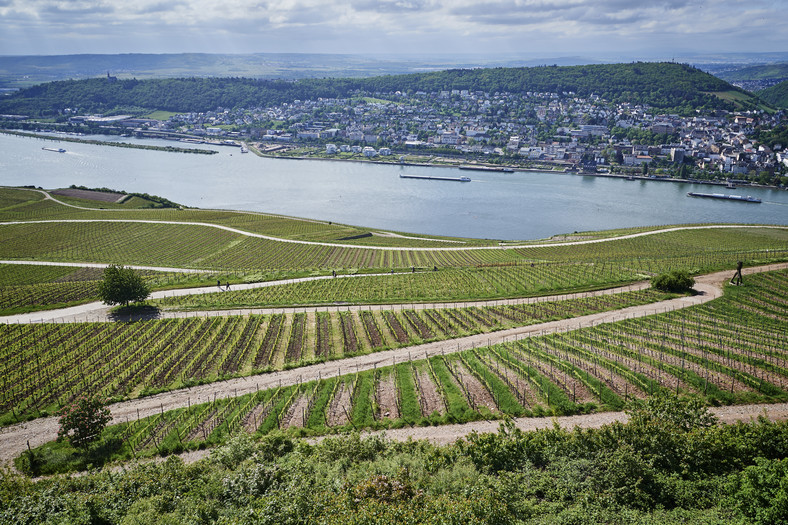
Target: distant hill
{"type": "Point", "coordinates": [760, 72]}
{"type": "Point", "coordinates": [25, 71]}
{"type": "Point", "coordinates": [755, 78]}
{"type": "Point", "coordinates": [776, 95]}
{"type": "Point", "coordinates": [670, 87]}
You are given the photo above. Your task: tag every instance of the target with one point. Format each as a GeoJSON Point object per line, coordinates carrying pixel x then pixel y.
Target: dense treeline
{"type": "Point", "coordinates": [671, 87]}
{"type": "Point", "coordinates": [772, 137]}
{"type": "Point", "coordinates": [776, 95]}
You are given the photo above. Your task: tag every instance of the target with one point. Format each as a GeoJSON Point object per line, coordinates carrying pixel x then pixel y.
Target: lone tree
{"type": "Point", "coordinates": [122, 286]}
{"type": "Point", "coordinates": [83, 421]}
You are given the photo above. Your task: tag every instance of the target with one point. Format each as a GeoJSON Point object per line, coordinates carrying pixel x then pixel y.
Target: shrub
{"type": "Point", "coordinates": [83, 421]}
{"type": "Point", "coordinates": [676, 281]}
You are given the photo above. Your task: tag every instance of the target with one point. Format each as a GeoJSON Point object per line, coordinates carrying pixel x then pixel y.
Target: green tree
{"type": "Point", "coordinates": [677, 281]}
{"type": "Point", "coordinates": [83, 421]}
{"type": "Point", "coordinates": [122, 286]}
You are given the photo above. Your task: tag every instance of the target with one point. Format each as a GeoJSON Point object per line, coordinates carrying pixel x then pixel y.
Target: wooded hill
{"type": "Point", "coordinates": [670, 87]}
{"type": "Point", "coordinates": [776, 95]}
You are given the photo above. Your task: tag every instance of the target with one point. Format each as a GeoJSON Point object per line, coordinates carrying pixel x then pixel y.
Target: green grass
{"type": "Point", "coordinates": [160, 115]}
{"type": "Point", "coordinates": [410, 411]}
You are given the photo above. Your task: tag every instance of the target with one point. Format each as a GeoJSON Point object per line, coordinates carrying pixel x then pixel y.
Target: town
{"type": "Point", "coordinates": [547, 131]}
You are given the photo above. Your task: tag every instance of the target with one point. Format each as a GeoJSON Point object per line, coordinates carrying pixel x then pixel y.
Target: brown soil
{"type": "Point", "coordinates": [480, 396]}
{"type": "Point", "coordinates": [340, 406]}
{"type": "Point", "coordinates": [101, 196]}
{"type": "Point", "coordinates": [256, 416]}
{"type": "Point", "coordinates": [431, 400]}
{"type": "Point", "coordinates": [297, 413]}
{"type": "Point", "coordinates": [387, 397]}
{"type": "Point", "coordinates": [201, 431]}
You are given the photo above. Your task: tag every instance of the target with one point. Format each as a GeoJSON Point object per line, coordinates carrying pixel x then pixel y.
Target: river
{"type": "Point", "coordinates": [520, 205]}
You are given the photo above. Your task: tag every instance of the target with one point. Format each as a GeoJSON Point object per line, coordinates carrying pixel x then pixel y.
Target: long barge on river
{"type": "Point", "coordinates": [430, 177]}
{"type": "Point", "coordinates": [487, 168]}
{"type": "Point", "coordinates": [56, 150]}
{"type": "Point", "coordinates": [723, 196]}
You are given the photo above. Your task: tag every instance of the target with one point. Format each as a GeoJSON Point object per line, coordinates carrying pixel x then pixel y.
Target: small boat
{"type": "Point", "coordinates": [56, 150]}
{"type": "Point", "coordinates": [723, 196]}
{"type": "Point", "coordinates": [244, 149]}
{"type": "Point", "coordinates": [428, 177]}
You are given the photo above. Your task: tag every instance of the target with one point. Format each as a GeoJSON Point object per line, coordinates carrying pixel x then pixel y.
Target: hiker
{"type": "Point", "coordinates": [737, 276]}
{"type": "Point", "coordinates": [333, 273]}
{"type": "Point", "coordinates": [228, 286]}
{"type": "Point", "coordinates": [219, 284]}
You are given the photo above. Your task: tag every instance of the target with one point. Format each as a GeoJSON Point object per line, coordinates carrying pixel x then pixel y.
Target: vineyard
{"type": "Point", "coordinates": [32, 287]}
{"type": "Point", "coordinates": [425, 286]}
{"type": "Point", "coordinates": [25, 205]}
{"type": "Point", "coordinates": [45, 366]}
{"type": "Point", "coordinates": [728, 351]}
{"type": "Point", "coordinates": [207, 248]}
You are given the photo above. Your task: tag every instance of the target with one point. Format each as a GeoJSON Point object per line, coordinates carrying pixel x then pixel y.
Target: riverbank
{"type": "Point", "coordinates": [170, 149]}
{"type": "Point", "coordinates": [510, 168]}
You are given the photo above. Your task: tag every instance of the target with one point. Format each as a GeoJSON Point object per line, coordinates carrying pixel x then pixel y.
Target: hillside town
{"type": "Point", "coordinates": [547, 130]}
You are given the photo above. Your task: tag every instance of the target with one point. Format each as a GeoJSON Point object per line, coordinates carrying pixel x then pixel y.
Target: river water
{"type": "Point", "coordinates": [521, 205]}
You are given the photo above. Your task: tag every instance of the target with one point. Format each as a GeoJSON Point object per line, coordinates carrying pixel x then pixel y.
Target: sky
{"type": "Point", "coordinates": [625, 28]}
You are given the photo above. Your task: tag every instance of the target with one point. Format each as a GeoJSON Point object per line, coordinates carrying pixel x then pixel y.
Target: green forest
{"type": "Point", "coordinates": [671, 87]}
{"type": "Point", "coordinates": [776, 95]}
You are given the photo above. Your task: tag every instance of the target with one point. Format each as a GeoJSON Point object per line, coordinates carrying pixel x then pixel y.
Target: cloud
{"type": "Point", "coordinates": [353, 26]}
{"type": "Point", "coordinates": [392, 6]}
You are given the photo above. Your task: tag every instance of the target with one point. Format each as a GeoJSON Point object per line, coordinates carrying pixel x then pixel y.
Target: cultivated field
{"type": "Point", "coordinates": [731, 350]}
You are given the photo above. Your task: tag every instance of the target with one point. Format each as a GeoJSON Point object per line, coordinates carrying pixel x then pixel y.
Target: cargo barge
{"type": "Point", "coordinates": [487, 168]}
{"type": "Point", "coordinates": [428, 177]}
{"type": "Point", "coordinates": [723, 196]}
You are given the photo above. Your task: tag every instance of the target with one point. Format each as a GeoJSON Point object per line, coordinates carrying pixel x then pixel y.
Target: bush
{"type": "Point", "coordinates": [676, 281]}
{"type": "Point", "coordinates": [83, 421]}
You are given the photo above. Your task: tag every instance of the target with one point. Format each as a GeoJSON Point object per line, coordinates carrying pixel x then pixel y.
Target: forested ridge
{"type": "Point", "coordinates": [776, 95]}
{"type": "Point", "coordinates": [670, 87]}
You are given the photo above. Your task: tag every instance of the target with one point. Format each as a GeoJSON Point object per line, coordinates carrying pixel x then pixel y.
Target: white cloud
{"type": "Point", "coordinates": [65, 26]}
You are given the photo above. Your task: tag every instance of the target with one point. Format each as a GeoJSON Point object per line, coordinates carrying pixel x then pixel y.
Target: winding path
{"type": "Point", "coordinates": [14, 439]}
{"type": "Point", "coordinates": [398, 248]}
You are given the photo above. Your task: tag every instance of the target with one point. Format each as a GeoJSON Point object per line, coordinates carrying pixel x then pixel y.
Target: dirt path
{"type": "Point", "coordinates": [449, 433]}
{"type": "Point", "coordinates": [14, 439]}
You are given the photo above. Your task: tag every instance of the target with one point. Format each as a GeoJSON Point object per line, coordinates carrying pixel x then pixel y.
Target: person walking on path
{"type": "Point", "coordinates": [737, 276]}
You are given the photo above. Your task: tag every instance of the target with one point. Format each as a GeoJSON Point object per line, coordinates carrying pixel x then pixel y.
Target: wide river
{"type": "Point", "coordinates": [521, 205]}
